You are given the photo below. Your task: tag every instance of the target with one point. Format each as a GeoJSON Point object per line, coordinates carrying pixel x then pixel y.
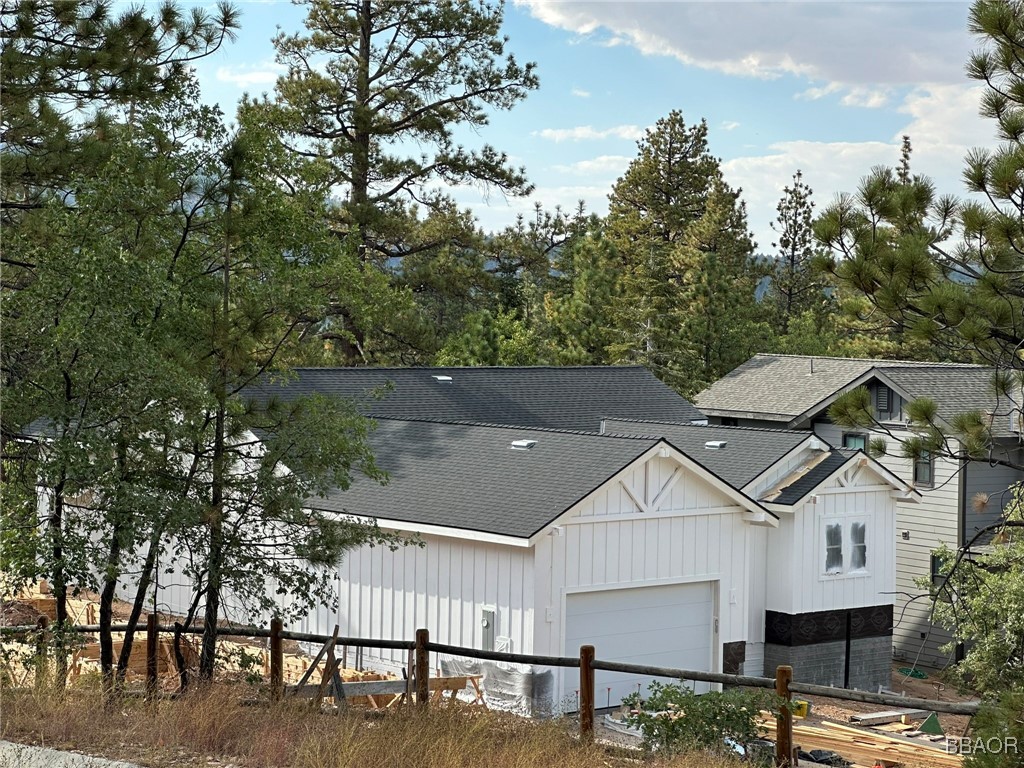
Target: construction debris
{"type": "Point", "coordinates": [867, 748]}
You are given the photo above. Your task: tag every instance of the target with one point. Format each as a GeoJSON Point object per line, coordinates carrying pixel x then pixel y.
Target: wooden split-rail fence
{"type": "Point", "coordinates": [419, 687]}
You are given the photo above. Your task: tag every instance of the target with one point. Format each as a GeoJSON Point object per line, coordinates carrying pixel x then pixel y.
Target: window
{"type": "Point", "coordinates": [834, 548]}
{"type": "Point", "coordinates": [924, 469]}
{"type": "Point", "coordinates": [856, 441]}
{"type": "Point", "coordinates": [858, 546]}
{"type": "Point", "coordinates": [846, 546]}
{"type": "Point", "coordinates": [729, 421]}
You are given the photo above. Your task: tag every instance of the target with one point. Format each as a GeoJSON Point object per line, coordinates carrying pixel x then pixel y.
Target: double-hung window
{"type": "Point", "coordinates": [924, 469]}
{"type": "Point", "coordinates": [845, 546]}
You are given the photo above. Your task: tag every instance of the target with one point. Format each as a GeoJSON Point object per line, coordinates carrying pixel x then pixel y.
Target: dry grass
{"type": "Point", "coordinates": [214, 723]}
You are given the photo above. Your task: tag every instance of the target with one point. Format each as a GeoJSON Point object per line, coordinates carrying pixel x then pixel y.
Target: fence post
{"type": "Point", "coordinates": [152, 643]}
{"type": "Point", "coordinates": [422, 667]}
{"type": "Point", "coordinates": [276, 659]}
{"type": "Point", "coordinates": [586, 692]}
{"type": "Point", "coordinates": [784, 727]}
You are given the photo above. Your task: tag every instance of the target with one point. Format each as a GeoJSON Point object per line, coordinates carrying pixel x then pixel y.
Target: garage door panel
{"type": "Point", "coordinates": [642, 597]}
{"type": "Point", "coordinates": [665, 625]}
{"type": "Point", "coordinates": [667, 618]}
{"type": "Point", "coordinates": [623, 645]}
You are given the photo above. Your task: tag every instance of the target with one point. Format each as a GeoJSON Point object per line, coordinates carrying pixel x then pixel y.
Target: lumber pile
{"type": "Point", "coordinates": [165, 664]}
{"type": "Point", "coordinates": [867, 748]}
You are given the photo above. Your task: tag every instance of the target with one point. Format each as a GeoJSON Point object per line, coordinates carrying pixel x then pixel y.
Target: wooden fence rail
{"type": "Point", "coordinates": [586, 662]}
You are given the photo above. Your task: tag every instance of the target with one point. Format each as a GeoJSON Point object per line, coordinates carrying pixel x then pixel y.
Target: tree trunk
{"type": "Point", "coordinates": [145, 578]}
{"type": "Point", "coordinates": [107, 610]}
{"type": "Point", "coordinates": [361, 132]}
{"type": "Point", "coordinates": [218, 479]}
{"type": "Point", "coordinates": [60, 585]}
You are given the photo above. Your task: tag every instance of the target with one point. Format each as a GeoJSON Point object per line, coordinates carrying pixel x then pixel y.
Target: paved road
{"type": "Point", "coordinates": [24, 756]}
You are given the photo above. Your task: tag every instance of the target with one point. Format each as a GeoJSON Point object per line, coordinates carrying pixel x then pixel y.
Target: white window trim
{"type": "Point", "coordinates": [846, 521]}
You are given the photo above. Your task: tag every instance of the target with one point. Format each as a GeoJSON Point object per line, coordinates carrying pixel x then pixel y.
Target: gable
{"type": "Point", "coordinates": [841, 471]}
{"type": "Point", "coordinates": [657, 487]}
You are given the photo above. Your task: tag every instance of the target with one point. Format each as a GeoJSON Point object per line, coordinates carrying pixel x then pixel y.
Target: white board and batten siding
{"type": "Point", "coordinates": [444, 586]}
{"type": "Point", "coordinates": [920, 528]}
{"type": "Point", "coordinates": [799, 582]}
{"type": "Point", "coordinates": [694, 542]}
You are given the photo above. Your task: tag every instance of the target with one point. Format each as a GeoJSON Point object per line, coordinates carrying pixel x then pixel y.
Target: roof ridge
{"type": "Point", "coordinates": [886, 362]}
{"type": "Point", "coordinates": [737, 427]}
{"type": "Point", "coordinates": [492, 425]}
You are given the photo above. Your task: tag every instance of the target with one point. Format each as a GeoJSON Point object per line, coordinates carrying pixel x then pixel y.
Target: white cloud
{"type": "Point", "coordinates": [730, 125]}
{"type": "Point", "coordinates": [247, 76]}
{"type": "Point", "coordinates": [869, 98]}
{"type": "Point", "coordinates": [819, 92]}
{"type": "Point", "coordinates": [580, 93]}
{"type": "Point", "coordinates": [943, 125]}
{"type": "Point", "coordinates": [840, 45]}
{"type": "Point", "coordinates": [605, 165]}
{"type": "Point", "coordinates": [589, 132]}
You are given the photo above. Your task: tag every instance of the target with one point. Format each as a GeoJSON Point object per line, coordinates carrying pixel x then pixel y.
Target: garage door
{"type": "Point", "coordinates": [664, 626]}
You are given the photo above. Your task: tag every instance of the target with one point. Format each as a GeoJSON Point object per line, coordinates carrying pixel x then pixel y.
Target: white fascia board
{"type": "Point", "coordinates": [805, 445]}
{"type": "Point", "coordinates": [439, 530]}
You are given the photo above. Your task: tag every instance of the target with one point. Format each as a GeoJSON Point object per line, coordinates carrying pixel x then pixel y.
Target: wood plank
{"type": "Point", "coordinates": [889, 716]}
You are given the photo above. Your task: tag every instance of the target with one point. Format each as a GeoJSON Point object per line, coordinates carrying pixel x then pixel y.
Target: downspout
{"type": "Point", "coordinates": [962, 503]}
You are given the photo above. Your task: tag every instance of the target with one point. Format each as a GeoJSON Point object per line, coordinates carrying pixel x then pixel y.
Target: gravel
{"type": "Point", "coordinates": [25, 756]}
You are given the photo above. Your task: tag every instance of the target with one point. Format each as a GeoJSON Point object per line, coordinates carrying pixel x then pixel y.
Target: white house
{"type": "Point", "coordinates": [958, 497]}
{"type": "Point", "coordinates": [671, 544]}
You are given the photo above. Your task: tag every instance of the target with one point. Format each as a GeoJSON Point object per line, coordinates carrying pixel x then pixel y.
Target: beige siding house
{"type": "Point", "coordinates": [958, 497]}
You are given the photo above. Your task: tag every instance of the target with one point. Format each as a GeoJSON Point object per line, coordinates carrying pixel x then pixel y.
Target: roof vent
{"type": "Point", "coordinates": [715, 445]}
{"type": "Point", "coordinates": [522, 445]}
{"type": "Point", "coordinates": [442, 379]}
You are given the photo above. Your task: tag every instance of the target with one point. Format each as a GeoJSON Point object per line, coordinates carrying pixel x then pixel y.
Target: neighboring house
{"type": "Point", "coordinates": [671, 544]}
{"type": "Point", "coordinates": [959, 497]}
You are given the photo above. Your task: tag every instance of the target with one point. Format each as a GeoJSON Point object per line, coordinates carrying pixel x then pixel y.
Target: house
{"type": "Point", "coordinates": [959, 497]}
{"type": "Point", "coordinates": [657, 540]}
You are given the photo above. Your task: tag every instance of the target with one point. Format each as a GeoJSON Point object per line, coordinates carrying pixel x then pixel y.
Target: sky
{"type": "Point", "coordinates": [828, 88]}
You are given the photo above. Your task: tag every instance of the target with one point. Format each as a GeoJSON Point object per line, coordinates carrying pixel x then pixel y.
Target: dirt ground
{"type": "Point", "coordinates": [931, 688]}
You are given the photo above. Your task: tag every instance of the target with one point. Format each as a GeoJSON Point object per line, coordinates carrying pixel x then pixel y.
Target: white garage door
{"type": "Point", "coordinates": [664, 626]}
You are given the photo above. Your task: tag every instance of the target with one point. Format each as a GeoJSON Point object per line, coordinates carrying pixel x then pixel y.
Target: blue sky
{"type": "Point", "coordinates": [826, 87]}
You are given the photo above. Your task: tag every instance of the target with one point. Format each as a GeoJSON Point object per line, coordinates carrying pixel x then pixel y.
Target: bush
{"type": "Point", "coordinates": [997, 734]}
{"type": "Point", "coordinates": [674, 719]}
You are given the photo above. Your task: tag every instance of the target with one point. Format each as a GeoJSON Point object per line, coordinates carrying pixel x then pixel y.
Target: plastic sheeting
{"type": "Point", "coordinates": [518, 688]}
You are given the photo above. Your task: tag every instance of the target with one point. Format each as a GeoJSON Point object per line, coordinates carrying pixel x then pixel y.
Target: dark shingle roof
{"type": "Point", "coordinates": [781, 387]}
{"type": "Point", "coordinates": [749, 451]}
{"type": "Point", "coordinates": [547, 397]}
{"type": "Point", "coordinates": [468, 476]}
{"type": "Point", "coordinates": [791, 494]}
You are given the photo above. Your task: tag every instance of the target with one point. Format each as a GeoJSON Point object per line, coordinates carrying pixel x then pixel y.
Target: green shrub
{"type": "Point", "coordinates": [673, 719]}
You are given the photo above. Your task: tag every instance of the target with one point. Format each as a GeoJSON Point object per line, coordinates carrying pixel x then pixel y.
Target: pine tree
{"type": "Point", "coordinates": [795, 287]}
{"type": "Point", "coordinates": [670, 216]}
{"type": "Point", "coordinates": [719, 323]}
{"type": "Point", "coordinates": [369, 78]}
{"type": "Point", "coordinates": [578, 322]}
